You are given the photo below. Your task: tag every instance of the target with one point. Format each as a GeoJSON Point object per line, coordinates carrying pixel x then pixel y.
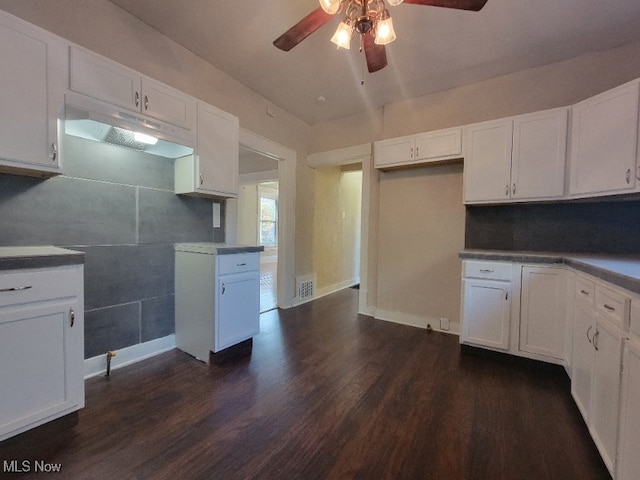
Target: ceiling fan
{"type": "Point", "coordinates": [369, 18]}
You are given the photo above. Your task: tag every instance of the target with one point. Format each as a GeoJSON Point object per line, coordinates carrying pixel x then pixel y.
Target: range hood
{"type": "Point", "coordinates": [92, 119]}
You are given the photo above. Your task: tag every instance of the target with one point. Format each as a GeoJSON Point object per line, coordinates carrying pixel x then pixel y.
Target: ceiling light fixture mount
{"type": "Point", "coordinates": [368, 18]}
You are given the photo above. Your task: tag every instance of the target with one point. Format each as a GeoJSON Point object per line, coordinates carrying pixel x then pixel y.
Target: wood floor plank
{"type": "Point", "coordinates": [325, 394]}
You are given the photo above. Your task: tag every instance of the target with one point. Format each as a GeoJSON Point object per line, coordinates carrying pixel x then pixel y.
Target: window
{"type": "Point", "coordinates": [267, 221]}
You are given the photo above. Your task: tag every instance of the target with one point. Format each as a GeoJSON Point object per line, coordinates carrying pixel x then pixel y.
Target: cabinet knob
{"type": "Point", "coordinates": [137, 99]}
{"type": "Point", "coordinates": [506, 190]}
{"type": "Point", "coordinates": [72, 317]}
{"type": "Point", "coordinates": [513, 189]}
{"type": "Point", "coordinates": [628, 176]}
{"type": "Point", "coordinates": [411, 152]}
{"type": "Point", "coordinates": [224, 289]}
{"type": "Point", "coordinates": [201, 179]}
{"type": "Point", "coordinates": [146, 102]}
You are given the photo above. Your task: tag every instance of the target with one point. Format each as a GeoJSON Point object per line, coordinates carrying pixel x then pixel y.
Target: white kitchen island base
{"type": "Point", "coordinates": [217, 295]}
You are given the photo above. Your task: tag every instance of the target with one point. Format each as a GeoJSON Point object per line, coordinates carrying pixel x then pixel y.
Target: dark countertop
{"type": "Point", "coordinates": [216, 248]}
{"type": "Point", "coordinates": [15, 258]}
{"type": "Point", "coordinates": [623, 271]}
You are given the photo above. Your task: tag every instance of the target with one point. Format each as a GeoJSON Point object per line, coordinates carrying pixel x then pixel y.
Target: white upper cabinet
{"type": "Point", "coordinates": [604, 136]}
{"type": "Point", "coordinates": [427, 147]}
{"type": "Point", "coordinates": [113, 83]}
{"type": "Point", "coordinates": [539, 155]}
{"type": "Point", "coordinates": [516, 159]}
{"type": "Point", "coordinates": [487, 161]}
{"type": "Point", "coordinates": [214, 169]}
{"type": "Point", "coordinates": [32, 83]}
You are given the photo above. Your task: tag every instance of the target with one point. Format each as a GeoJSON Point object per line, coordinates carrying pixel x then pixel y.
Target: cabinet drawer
{"type": "Point", "coordinates": [612, 305]}
{"type": "Point", "coordinates": [37, 285]}
{"type": "Point", "coordinates": [585, 291]}
{"type": "Point", "coordinates": [238, 263]}
{"type": "Point", "coordinates": [490, 270]}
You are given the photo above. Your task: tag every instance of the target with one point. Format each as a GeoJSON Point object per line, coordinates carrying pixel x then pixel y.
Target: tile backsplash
{"type": "Point", "coordinates": [116, 205]}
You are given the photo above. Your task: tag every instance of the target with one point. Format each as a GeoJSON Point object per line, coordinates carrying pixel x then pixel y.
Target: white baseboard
{"type": "Point", "coordinates": [126, 356]}
{"type": "Point", "coordinates": [415, 321]}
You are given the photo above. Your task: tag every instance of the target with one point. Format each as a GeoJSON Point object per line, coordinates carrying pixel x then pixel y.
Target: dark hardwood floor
{"type": "Point", "coordinates": [325, 394]}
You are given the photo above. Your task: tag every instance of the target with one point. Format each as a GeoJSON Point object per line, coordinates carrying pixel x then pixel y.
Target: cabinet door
{"type": "Point", "coordinates": [394, 151]}
{"type": "Point", "coordinates": [486, 313]}
{"type": "Point", "coordinates": [487, 161]}
{"type": "Point", "coordinates": [32, 82]}
{"type": "Point", "coordinates": [603, 142]}
{"type": "Point", "coordinates": [166, 104]}
{"type": "Point", "coordinates": [41, 353]}
{"type": "Point", "coordinates": [217, 151]}
{"type": "Point", "coordinates": [628, 461]}
{"type": "Point", "coordinates": [105, 80]}
{"type": "Point", "coordinates": [603, 418]}
{"type": "Point", "coordinates": [539, 155]}
{"type": "Point", "coordinates": [584, 326]}
{"type": "Point", "coordinates": [441, 144]}
{"type": "Point", "coordinates": [542, 315]}
{"type": "Point", "coordinates": [238, 309]}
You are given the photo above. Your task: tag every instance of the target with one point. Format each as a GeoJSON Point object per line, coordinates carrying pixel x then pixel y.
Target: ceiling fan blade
{"type": "Point", "coordinates": [475, 5]}
{"type": "Point", "coordinates": [302, 29]}
{"type": "Point", "coordinates": [376, 54]}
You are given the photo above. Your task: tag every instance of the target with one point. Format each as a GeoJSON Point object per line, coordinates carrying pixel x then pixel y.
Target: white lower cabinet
{"type": "Point", "coordinates": [628, 461]}
{"type": "Point", "coordinates": [596, 365]}
{"type": "Point", "coordinates": [486, 304]}
{"type": "Point", "coordinates": [542, 311]}
{"type": "Point", "coordinates": [41, 346]}
{"type": "Point", "coordinates": [217, 298]}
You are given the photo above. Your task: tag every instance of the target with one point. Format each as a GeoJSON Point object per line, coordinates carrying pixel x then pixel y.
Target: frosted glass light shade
{"type": "Point", "coordinates": [394, 3]}
{"type": "Point", "coordinates": [384, 32]}
{"type": "Point", "coordinates": [330, 6]}
{"type": "Point", "coordinates": [342, 37]}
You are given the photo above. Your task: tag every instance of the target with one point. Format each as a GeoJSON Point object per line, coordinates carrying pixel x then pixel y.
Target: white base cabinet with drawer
{"type": "Point", "coordinates": [217, 299]}
{"type": "Point", "coordinates": [628, 461]}
{"type": "Point", "coordinates": [41, 346]}
{"type": "Point", "coordinates": [600, 316]}
{"type": "Point", "coordinates": [516, 308]}
{"type": "Point", "coordinates": [486, 304]}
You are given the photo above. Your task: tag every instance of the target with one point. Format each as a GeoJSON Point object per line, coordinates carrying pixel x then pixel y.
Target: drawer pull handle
{"type": "Point", "coordinates": [595, 339]}
{"type": "Point", "coordinates": [486, 270]}
{"type": "Point", "coordinates": [72, 317]}
{"type": "Point", "coordinates": [584, 292]}
{"type": "Point", "coordinates": [241, 264]}
{"type": "Point", "coordinates": [16, 289]}
{"type": "Point", "coordinates": [609, 307]}
{"type": "Point", "coordinates": [224, 289]}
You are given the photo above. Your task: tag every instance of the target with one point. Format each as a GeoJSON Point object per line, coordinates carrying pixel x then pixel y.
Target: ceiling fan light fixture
{"type": "Point", "coordinates": [330, 6]}
{"type": "Point", "coordinates": [385, 33]}
{"type": "Point", "coordinates": [342, 37]}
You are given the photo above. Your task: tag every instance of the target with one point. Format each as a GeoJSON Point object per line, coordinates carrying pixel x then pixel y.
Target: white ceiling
{"type": "Point", "coordinates": [436, 48]}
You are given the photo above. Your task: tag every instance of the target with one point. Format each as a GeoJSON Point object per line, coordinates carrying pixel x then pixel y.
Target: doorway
{"type": "Point", "coordinates": [258, 222]}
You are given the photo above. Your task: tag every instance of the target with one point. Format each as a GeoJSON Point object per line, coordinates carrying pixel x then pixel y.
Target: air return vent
{"type": "Point", "coordinates": [305, 286]}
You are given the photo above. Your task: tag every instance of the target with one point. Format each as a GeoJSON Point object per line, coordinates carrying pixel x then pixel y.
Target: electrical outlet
{"type": "Point", "coordinates": [444, 323]}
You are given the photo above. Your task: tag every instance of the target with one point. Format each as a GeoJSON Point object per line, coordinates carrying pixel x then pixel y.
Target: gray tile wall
{"type": "Point", "coordinates": [117, 206]}
{"type": "Point", "coordinates": [609, 227]}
